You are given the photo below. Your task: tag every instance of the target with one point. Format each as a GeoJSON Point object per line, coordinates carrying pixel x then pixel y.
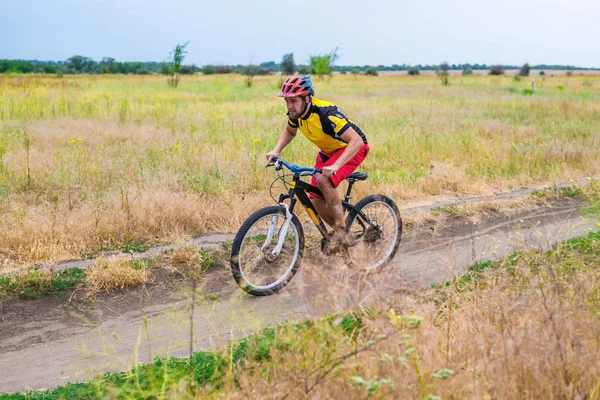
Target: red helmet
{"type": "Point", "coordinates": [296, 86]}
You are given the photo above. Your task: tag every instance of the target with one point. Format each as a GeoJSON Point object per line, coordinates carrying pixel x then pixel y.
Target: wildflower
{"type": "Point", "coordinates": [73, 140]}
{"type": "Point", "coordinates": [256, 140]}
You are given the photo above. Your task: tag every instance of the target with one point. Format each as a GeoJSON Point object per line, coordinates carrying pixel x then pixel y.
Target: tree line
{"type": "Point", "coordinates": [321, 65]}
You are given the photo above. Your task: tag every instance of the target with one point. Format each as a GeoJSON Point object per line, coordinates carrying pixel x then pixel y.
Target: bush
{"type": "Point", "coordinates": [527, 92]}
{"type": "Point", "coordinates": [208, 70]}
{"type": "Point", "coordinates": [414, 71]}
{"type": "Point", "coordinates": [187, 70]}
{"type": "Point", "coordinates": [322, 65]}
{"type": "Point", "coordinates": [372, 71]}
{"type": "Point", "coordinates": [467, 70]}
{"type": "Point", "coordinates": [497, 70]}
{"type": "Point", "coordinates": [304, 70]}
{"type": "Point", "coordinates": [542, 73]}
{"type": "Point", "coordinates": [442, 73]}
{"type": "Point", "coordinates": [525, 69]}
{"type": "Point", "coordinates": [223, 69]}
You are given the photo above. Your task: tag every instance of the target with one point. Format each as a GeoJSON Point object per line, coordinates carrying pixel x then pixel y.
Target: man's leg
{"type": "Point", "coordinates": [323, 211]}
{"type": "Point", "coordinates": [334, 211]}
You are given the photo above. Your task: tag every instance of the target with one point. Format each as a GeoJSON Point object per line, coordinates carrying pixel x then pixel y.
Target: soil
{"type": "Point", "coordinates": [71, 337]}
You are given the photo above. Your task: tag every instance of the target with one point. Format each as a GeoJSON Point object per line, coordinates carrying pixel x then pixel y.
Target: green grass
{"type": "Point", "coordinates": [34, 283]}
{"type": "Point", "coordinates": [128, 159]}
{"type": "Point", "coordinates": [207, 368]}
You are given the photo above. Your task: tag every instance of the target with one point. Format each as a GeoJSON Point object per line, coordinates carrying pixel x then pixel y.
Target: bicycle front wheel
{"type": "Point", "coordinates": [266, 252]}
{"type": "Point", "coordinates": [376, 227]}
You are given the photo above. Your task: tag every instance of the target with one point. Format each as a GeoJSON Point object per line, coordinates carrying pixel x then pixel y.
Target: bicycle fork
{"type": "Point", "coordinates": [282, 232]}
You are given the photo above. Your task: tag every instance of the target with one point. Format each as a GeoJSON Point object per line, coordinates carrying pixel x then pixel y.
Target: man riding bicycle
{"type": "Point", "coordinates": [343, 146]}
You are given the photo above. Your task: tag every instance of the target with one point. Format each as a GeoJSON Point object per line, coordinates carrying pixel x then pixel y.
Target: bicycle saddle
{"type": "Point", "coordinates": [357, 176]}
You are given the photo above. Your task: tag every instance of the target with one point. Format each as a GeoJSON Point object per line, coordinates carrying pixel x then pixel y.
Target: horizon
{"type": "Point", "coordinates": [458, 65]}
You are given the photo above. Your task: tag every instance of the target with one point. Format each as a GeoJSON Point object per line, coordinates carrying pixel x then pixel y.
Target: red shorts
{"type": "Point", "coordinates": [327, 159]}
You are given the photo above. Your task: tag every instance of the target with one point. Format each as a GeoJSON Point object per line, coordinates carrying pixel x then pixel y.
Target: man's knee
{"type": "Point", "coordinates": [323, 182]}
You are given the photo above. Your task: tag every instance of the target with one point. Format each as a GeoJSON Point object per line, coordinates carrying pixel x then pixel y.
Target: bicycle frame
{"type": "Point", "coordinates": [298, 192]}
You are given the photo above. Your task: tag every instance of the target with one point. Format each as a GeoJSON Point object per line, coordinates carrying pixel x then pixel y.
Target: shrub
{"type": "Point", "coordinates": [525, 69]}
{"type": "Point", "coordinates": [223, 69]}
{"type": "Point", "coordinates": [208, 70]}
{"type": "Point", "coordinates": [442, 73]}
{"type": "Point", "coordinates": [322, 65]}
{"type": "Point", "coordinates": [187, 70]}
{"type": "Point", "coordinates": [304, 70]}
{"type": "Point", "coordinates": [542, 73]}
{"type": "Point", "coordinates": [527, 92]}
{"type": "Point", "coordinates": [372, 71]}
{"type": "Point", "coordinates": [497, 70]}
{"type": "Point", "coordinates": [467, 70]}
{"type": "Point", "coordinates": [516, 78]}
{"type": "Point", "coordinates": [250, 71]}
{"type": "Point", "coordinates": [414, 71]}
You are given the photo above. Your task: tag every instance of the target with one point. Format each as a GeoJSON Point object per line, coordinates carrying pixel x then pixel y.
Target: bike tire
{"type": "Point", "coordinates": [246, 255]}
{"type": "Point", "coordinates": [394, 230]}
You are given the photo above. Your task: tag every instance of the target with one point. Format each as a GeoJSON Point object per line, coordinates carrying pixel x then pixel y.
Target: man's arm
{"type": "Point", "coordinates": [355, 143]}
{"type": "Point", "coordinates": [287, 135]}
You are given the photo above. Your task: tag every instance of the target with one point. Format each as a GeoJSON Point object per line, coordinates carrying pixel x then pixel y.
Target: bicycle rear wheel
{"type": "Point", "coordinates": [378, 235]}
{"type": "Point", "coordinates": [256, 265]}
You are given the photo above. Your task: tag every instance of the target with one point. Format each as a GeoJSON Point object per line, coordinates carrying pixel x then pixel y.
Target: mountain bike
{"type": "Point", "coordinates": [268, 248]}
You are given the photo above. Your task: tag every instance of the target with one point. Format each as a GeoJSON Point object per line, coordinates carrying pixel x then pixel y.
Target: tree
{"type": "Point", "coordinates": [525, 69]}
{"type": "Point", "coordinates": [497, 70]}
{"type": "Point", "coordinates": [467, 70]}
{"type": "Point", "coordinates": [414, 70]}
{"type": "Point", "coordinates": [371, 71]}
{"type": "Point", "coordinates": [304, 70]}
{"type": "Point", "coordinates": [250, 71]}
{"type": "Point", "coordinates": [107, 65]}
{"type": "Point", "coordinates": [288, 66]}
{"type": "Point", "coordinates": [442, 72]}
{"type": "Point", "coordinates": [322, 65]}
{"type": "Point", "coordinates": [79, 65]}
{"type": "Point", "coordinates": [176, 57]}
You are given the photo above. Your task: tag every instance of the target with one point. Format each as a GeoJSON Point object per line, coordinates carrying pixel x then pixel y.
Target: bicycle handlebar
{"type": "Point", "coordinates": [294, 168]}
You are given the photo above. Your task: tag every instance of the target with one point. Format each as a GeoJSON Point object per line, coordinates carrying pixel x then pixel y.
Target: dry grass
{"type": "Point", "coordinates": [119, 274]}
{"type": "Point", "coordinates": [95, 161]}
{"type": "Point", "coordinates": [529, 329]}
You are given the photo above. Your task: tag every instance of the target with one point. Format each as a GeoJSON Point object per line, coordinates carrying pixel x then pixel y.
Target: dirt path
{"type": "Point", "coordinates": [44, 343]}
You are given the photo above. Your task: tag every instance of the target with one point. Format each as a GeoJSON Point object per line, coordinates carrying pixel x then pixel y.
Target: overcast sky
{"type": "Point", "coordinates": [368, 32]}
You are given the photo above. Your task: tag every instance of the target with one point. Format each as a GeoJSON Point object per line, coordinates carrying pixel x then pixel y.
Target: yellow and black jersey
{"type": "Point", "coordinates": [324, 124]}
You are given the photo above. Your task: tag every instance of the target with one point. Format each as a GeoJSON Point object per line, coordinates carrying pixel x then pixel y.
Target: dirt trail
{"type": "Point", "coordinates": [43, 344]}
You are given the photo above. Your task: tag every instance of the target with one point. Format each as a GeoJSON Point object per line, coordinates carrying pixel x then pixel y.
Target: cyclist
{"type": "Point", "coordinates": [343, 146]}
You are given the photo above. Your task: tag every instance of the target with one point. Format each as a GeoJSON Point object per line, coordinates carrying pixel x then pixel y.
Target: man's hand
{"type": "Point", "coordinates": [270, 155]}
{"type": "Point", "coordinates": [330, 170]}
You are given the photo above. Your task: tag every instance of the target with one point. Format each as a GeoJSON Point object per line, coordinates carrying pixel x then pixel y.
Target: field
{"type": "Point", "coordinates": [99, 162]}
